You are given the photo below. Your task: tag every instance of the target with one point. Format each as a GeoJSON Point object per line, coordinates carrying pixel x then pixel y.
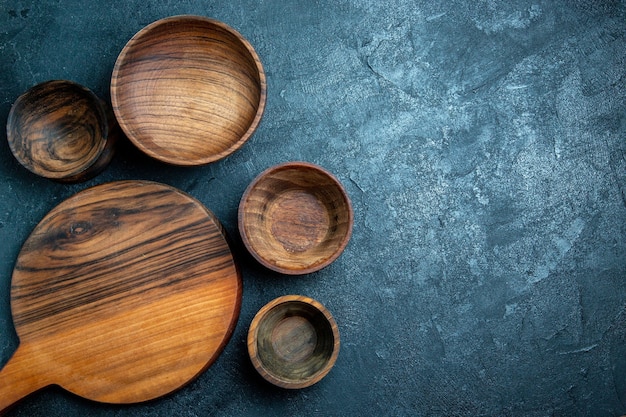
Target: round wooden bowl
{"type": "Point", "coordinates": [62, 131]}
{"type": "Point", "coordinates": [188, 90]}
{"type": "Point", "coordinates": [295, 218]}
{"type": "Point", "coordinates": [293, 341]}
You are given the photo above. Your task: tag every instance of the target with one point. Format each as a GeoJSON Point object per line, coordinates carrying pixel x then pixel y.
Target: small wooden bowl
{"type": "Point", "coordinates": [295, 218]}
{"type": "Point", "coordinates": [62, 131]}
{"type": "Point", "coordinates": [188, 90]}
{"type": "Point", "coordinates": [293, 341]}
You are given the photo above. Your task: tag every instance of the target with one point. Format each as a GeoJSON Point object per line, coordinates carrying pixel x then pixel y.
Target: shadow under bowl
{"type": "Point", "coordinates": [188, 90]}
{"type": "Point", "coordinates": [295, 218]}
{"type": "Point", "coordinates": [293, 341]}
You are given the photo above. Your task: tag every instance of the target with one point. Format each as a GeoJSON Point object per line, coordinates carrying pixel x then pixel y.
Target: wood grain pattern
{"type": "Point", "coordinates": [295, 218]}
{"type": "Point", "coordinates": [61, 130]}
{"type": "Point", "coordinates": [122, 293]}
{"type": "Point", "coordinates": [188, 90]}
{"type": "Point", "coordinates": [293, 341]}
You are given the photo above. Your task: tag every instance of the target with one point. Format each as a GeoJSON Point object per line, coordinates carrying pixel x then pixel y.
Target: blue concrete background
{"type": "Point", "coordinates": [483, 144]}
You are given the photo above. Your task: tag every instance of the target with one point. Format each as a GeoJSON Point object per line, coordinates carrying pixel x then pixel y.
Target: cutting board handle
{"type": "Point", "coordinates": [20, 377]}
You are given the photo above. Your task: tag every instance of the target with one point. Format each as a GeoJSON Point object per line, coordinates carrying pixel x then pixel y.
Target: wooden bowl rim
{"type": "Point", "coordinates": [253, 337]}
{"type": "Point", "coordinates": [99, 108]}
{"type": "Point", "coordinates": [298, 165]}
{"type": "Point", "coordinates": [178, 19]}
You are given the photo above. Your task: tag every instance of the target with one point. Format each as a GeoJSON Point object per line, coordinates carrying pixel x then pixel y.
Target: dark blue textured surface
{"type": "Point", "coordinates": [483, 145]}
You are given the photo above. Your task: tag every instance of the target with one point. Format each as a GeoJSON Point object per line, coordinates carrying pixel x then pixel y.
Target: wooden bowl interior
{"type": "Point", "coordinates": [295, 342]}
{"type": "Point", "coordinates": [57, 129]}
{"type": "Point", "coordinates": [188, 90]}
{"type": "Point", "coordinates": [296, 218]}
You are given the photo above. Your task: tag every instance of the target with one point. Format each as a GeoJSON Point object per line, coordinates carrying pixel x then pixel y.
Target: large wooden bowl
{"type": "Point", "coordinates": [188, 90]}
{"type": "Point", "coordinates": [62, 131]}
{"type": "Point", "coordinates": [293, 341]}
{"type": "Point", "coordinates": [295, 218]}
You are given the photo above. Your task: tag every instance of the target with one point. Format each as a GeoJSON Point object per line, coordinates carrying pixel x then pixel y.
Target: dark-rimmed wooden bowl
{"type": "Point", "coordinates": [188, 90]}
{"type": "Point", "coordinates": [62, 131]}
{"type": "Point", "coordinates": [295, 218]}
{"type": "Point", "coordinates": [293, 341]}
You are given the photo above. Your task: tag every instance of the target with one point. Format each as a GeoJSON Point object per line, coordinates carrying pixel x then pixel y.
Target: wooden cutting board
{"type": "Point", "coordinates": [122, 293]}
